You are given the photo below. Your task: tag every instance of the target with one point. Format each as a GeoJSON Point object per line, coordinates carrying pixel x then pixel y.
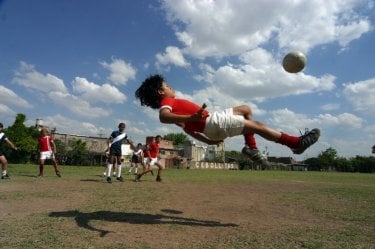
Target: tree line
{"type": "Point", "coordinates": [76, 153]}
{"type": "Point", "coordinates": [25, 139]}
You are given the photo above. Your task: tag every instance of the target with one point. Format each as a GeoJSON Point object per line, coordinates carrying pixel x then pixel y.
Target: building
{"type": "Point", "coordinates": [193, 152]}
{"type": "Point", "coordinates": [93, 144]}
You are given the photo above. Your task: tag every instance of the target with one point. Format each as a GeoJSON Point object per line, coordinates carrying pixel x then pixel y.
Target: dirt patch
{"type": "Point", "coordinates": [93, 214]}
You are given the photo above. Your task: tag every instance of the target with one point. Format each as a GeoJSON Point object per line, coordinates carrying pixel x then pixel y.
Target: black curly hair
{"type": "Point", "coordinates": [148, 94]}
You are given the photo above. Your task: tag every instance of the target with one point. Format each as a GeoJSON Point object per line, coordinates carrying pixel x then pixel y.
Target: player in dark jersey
{"type": "Point", "coordinates": [115, 142]}
{"type": "Point", "coordinates": [3, 159]}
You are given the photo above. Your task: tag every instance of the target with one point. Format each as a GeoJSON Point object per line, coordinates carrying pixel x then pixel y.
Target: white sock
{"type": "Point", "coordinates": [119, 170]}
{"type": "Point", "coordinates": [115, 169]}
{"type": "Point", "coordinates": [136, 170]}
{"type": "Point", "coordinates": [4, 172]}
{"type": "Point", "coordinates": [109, 169]}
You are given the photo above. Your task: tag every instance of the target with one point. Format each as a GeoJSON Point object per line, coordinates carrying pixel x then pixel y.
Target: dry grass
{"type": "Point", "coordinates": [189, 209]}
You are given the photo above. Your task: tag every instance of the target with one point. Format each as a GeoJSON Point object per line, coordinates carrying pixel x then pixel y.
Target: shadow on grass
{"type": "Point", "coordinates": [83, 219]}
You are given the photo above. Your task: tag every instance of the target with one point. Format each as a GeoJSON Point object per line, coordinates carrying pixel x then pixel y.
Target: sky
{"type": "Point", "coordinates": [76, 64]}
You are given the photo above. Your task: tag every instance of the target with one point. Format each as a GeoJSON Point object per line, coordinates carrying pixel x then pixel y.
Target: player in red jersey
{"type": "Point", "coordinates": [214, 127]}
{"type": "Point", "coordinates": [47, 150]}
{"type": "Point", "coordinates": [152, 155]}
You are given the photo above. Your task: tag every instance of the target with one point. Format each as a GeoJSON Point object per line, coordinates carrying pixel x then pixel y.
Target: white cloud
{"type": "Point", "coordinates": [361, 94]}
{"type": "Point", "coordinates": [6, 111]}
{"type": "Point", "coordinates": [78, 105]}
{"type": "Point", "coordinates": [94, 93]}
{"type": "Point", "coordinates": [172, 55]}
{"type": "Point", "coordinates": [225, 27]}
{"type": "Point", "coordinates": [121, 72]}
{"type": "Point", "coordinates": [65, 125]}
{"type": "Point", "coordinates": [330, 106]}
{"type": "Point", "coordinates": [27, 76]}
{"type": "Point", "coordinates": [260, 76]}
{"type": "Point", "coordinates": [287, 120]}
{"type": "Point", "coordinates": [342, 121]}
{"type": "Point", "coordinates": [353, 148]}
{"type": "Point", "coordinates": [10, 97]}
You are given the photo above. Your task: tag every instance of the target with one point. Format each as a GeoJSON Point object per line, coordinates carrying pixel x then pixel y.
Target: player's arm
{"type": "Point", "coordinates": [130, 142]}
{"type": "Point", "coordinates": [148, 154]}
{"type": "Point", "coordinates": [202, 138]}
{"type": "Point", "coordinates": [109, 141]}
{"type": "Point", "coordinates": [11, 144]}
{"type": "Point", "coordinates": [53, 146]}
{"type": "Point", "coordinates": [167, 117]}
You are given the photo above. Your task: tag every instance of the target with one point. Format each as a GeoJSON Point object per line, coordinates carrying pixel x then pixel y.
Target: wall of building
{"type": "Point", "coordinates": [210, 165]}
{"type": "Point", "coordinates": [93, 144]}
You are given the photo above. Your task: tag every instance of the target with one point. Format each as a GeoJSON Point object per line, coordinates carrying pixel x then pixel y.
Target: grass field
{"type": "Point", "coordinates": [189, 209]}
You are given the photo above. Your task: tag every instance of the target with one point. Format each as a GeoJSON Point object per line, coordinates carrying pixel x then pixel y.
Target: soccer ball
{"type": "Point", "coordinates": [294, 62]}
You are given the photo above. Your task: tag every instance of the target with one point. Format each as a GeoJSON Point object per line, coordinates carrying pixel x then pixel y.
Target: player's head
{"type": "Point", "coordinates": [139, 145]}
{"type": "Point", "coordinates": [121, 126]}
{"type": "Point", "coordinates": [158, 138]}
{"type": "Point", "coordinates": [1, 126]}
{"type": "Point", "coordinates": [149, 93]}
{"type": "Point", "coordinates": [44, 131]}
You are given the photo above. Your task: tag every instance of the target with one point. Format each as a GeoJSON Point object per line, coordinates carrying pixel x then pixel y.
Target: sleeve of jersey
{"type": "Point", "coordinates": [167, 103]}
{"type": "Point", "coordinates": [113, 135]}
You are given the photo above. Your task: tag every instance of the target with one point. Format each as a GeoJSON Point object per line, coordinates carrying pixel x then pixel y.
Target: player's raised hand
{"type": "Point", "coordinates": [200, 114]}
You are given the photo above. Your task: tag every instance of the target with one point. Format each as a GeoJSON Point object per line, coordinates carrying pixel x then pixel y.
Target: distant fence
{"type": "Point", "coordinates": [212, 165]}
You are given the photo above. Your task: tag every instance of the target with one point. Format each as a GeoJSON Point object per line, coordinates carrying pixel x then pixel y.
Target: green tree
{"type": "Point", "coordinates": [177, 138]}
{"type": "Point", "coordinates": [77, 154]}
{"type": "Point", "coordinates": [313, 164]}
{"type": "Point", "coordinates": [61, 151]}
{"type": "Point", "coordinates": [344, 165]}
{"type": "Point", "coordinates": [363, 164]}
{"type": "Point", "coordinates": [232, 156]}
{"type": "Point", "coordinates": [327, 158]}
{"type": "Point", "coordinates": [24, 138]}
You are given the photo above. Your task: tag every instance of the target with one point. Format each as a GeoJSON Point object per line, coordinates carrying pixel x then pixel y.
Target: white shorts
{"type": "Point", "coordinates": [151, 162]}
{"type": "Point", "coordinates": [46, 155]}
{"type": "Point", "coordinates": [220, 125]}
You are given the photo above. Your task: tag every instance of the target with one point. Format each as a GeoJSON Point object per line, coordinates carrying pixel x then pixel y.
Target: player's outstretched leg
{"type": "Point", "coordinates": [306, 140]}
{"type": "Point", "coordinates": [256, 156]}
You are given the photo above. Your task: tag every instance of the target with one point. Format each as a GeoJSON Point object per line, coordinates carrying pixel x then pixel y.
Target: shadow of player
{"type": "Point", "coordinates": [83, 219]}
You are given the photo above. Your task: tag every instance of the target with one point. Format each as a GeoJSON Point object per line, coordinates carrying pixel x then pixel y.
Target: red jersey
{"type": "Point", "coordinates": [185, 107]}
{"type": "Point", "coordinates": [45, 143]}
{"type": "Point", "coordinates": [154, 150]}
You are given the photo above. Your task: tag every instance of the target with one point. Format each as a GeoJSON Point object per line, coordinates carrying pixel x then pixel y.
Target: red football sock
{"type": "Point", "coordinates": [288, 140]}
{"type": "Point", "coordinates": [250, 140]}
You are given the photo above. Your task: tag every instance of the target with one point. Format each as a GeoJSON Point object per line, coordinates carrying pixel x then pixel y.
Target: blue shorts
{"type": "Point", "coordinates": [115, 151]}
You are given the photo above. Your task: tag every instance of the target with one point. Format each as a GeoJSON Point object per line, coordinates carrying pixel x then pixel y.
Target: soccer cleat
{"type": "Point", "coordinates": [255, 156]}
{"type": "Point", "coordinates": [158, 179]}
{"type": "Point", "coordinates": [40, 175]}
{"type": "Point", "coordinates": [6, 176]}
{"type": "Point", "coordinates": [109, 180]}
{"type": "Point", "coordinates": [58, 174]}
{"type": "Point", "coordinates": [306, 140]}
{"type": "Point", "coordinates": [138, 178]}
{"type": "Point", "coordinates": [120, 179]}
